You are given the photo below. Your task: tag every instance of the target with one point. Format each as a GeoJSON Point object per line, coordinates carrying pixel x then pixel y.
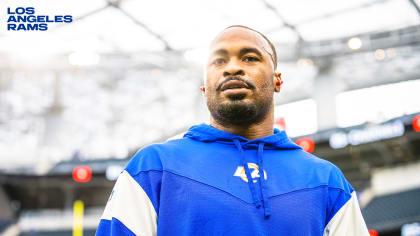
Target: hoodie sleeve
{"type": "Point", "coordinates": [133, 205]}
{"type": "Point", "coordinates": [344, 215]}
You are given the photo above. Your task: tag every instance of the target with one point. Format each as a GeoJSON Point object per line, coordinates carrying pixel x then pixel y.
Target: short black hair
{"type": "Point", "coordinates": [273, 57]}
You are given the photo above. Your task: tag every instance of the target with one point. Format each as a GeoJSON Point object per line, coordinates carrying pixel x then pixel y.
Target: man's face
{"type": "Point", "coordinates": [239, 77]}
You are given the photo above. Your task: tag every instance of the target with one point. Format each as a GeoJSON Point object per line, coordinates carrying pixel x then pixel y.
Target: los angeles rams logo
{"type": "Point", "coordinates": [255, 173]}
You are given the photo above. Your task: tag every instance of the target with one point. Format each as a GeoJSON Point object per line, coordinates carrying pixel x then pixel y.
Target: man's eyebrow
{"type": "Point", "coordinates": [220, 52]}
{"type": "Point", "coordinates": [244, 51]}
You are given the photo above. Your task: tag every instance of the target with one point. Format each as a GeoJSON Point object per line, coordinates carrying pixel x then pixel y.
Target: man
{"type": "Point", "coordinates": [236, 176]}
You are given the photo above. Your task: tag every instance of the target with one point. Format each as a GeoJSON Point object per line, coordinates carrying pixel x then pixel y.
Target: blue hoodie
{"type": "Point", "coordinates": [200, 185]}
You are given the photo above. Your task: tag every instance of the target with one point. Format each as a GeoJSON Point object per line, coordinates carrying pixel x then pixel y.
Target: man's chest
{"type": "Point", "coordinates": [195, 203]}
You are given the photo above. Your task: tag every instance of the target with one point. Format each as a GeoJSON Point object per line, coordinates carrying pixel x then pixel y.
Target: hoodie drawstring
{"type": "Point", "coordinates": [248, 174]}
{"type": "Point", "coordinates": [278, 140]}
{"type": "Point", "coordinates": [267, 210]}
{"type": "Point", "coordinates": [255, 198]}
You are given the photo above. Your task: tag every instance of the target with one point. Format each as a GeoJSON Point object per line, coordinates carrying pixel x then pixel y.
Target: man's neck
{"type": "Point", "coordinates": [250, 132]}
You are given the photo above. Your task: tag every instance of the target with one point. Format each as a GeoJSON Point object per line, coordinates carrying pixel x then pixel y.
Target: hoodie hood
{"type": "Point", "coordinates": [207, 133]}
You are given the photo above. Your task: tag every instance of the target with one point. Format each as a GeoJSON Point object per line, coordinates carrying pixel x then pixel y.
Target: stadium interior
{"type": "Point", "coordinates": [78, 100]}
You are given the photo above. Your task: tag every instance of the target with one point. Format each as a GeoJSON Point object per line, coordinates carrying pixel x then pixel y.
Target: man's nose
{"type": "Point", "coordinates": [232, 69]}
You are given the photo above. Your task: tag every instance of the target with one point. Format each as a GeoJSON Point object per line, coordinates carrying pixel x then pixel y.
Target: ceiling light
{"type": "Point", "coordinates": [380, 54]}
{"type": "Point", "coordinates": [304, 62]}
{"type": "Point", "coordinates": [354, 43]}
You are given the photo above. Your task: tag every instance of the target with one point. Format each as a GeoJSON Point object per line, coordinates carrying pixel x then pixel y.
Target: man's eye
{"type": "Point", "coordinates": [219, 61]}
{"type": "Point", "coordinates": [251, 59]}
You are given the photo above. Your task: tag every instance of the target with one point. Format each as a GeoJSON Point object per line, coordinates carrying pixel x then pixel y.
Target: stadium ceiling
{"type": "Point", "coordinates": [129, 26]}
{"type": "Point", "coordinates": [145, 86]}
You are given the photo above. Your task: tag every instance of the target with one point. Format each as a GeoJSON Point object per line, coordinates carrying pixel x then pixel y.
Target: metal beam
{"type": "Point", "coordinates": [285, 23]}
{"type": "Point", "coordinates": [339, 12]}
{"type": "Point", "coordinates": [371, 41]}
{"type": "Point", "coordinates": [414, 4]}
{"type": "Point", "coordinates": [145, 27]}
{"type": "Point", "coordinates": [91, 13]}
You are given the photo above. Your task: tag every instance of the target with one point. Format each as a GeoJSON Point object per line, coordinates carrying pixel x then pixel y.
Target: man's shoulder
{"type": "Point", "coordinates": [336, 178]}
{"type": "Point", "coordinates": [312, 161]}
{"type": "Point", "coordinates": [153, 157]}
{"type": "Point", "coordinates": [332, 175]}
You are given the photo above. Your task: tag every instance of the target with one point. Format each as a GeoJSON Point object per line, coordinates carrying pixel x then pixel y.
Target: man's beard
{"type": "Point", "coordinates": [238, 112]}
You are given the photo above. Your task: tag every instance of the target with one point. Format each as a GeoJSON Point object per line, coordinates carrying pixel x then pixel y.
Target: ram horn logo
{"type": "Point", "coordinates": [255, 173]}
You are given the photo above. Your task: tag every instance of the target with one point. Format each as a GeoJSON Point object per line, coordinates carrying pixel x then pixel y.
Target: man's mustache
{"type": "Point", "coordinates": [239, 78]}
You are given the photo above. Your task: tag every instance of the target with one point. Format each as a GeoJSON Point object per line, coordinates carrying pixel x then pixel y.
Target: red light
{"type": "Point", "coordinates": [373, 232]}
{"type": "Point", "coordinates": [307, 144]}
{"type": "Point", "coordinates": [416, 123]}
{"type": "Point", "coordinates": [82, 174]}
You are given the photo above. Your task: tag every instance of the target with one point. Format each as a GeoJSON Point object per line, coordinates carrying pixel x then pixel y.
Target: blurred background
{"type": "Point", "coordinates": [78, 100]}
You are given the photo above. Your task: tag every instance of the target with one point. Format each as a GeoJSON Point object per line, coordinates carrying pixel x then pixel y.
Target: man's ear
{"type": "Point", "coordinates": [203, 90]}
{"type": "Point", "coordinates": [277, 82]}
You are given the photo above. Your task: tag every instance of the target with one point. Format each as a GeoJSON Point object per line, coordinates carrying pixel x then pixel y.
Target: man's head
{"type": "Point", "coordinates": [240, 76]}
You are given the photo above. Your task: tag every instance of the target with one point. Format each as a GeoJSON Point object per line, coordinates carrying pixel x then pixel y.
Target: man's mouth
{"type": "Point", "coordinates": [234, 84]}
